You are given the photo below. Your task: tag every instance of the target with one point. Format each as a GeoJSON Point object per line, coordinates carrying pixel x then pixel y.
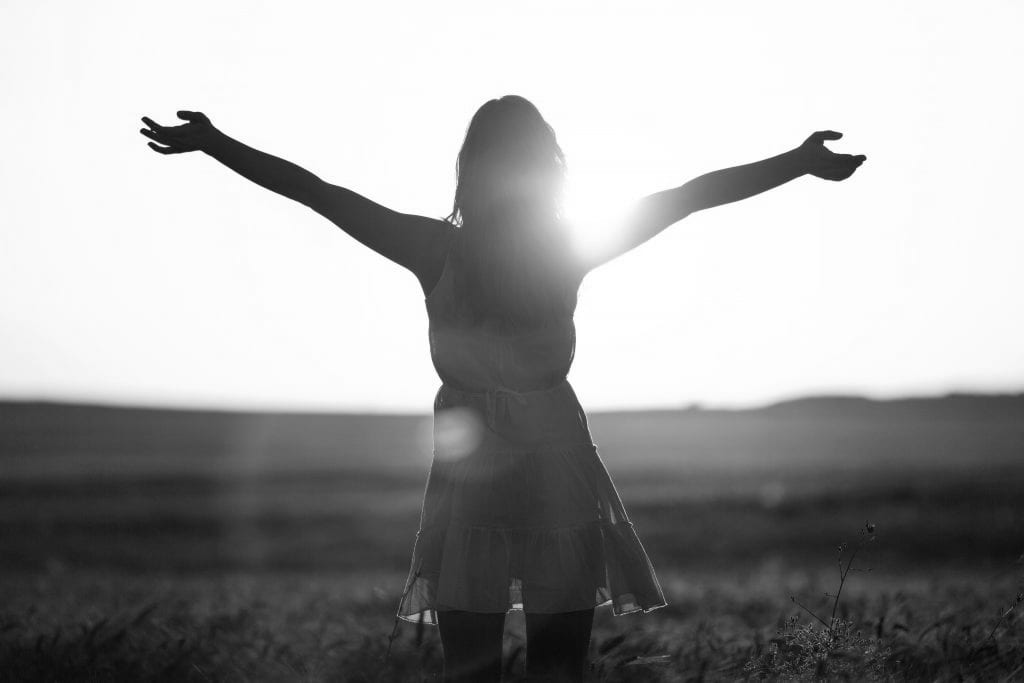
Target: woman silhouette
{"type": "Point", "coordinates": [519, 512]}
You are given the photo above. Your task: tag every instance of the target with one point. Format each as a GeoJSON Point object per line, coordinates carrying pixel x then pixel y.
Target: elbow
{"type": "Point", "coordinates": [312, 194]}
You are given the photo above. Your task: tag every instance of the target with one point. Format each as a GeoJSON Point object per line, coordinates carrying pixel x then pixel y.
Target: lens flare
{"type": "Point", "coordinates": [457, 433]}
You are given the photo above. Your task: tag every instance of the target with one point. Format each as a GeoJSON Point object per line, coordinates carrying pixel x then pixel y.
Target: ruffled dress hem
{"type": "Point", "coordinates": [538, 570]}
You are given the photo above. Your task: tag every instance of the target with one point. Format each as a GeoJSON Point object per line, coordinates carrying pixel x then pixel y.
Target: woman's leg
{"type": "Point", "coordinates": [472, 645]}
{"type": "Point", "coordinates": [557, 645]}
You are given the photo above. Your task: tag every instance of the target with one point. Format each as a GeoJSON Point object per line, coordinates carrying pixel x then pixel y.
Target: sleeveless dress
{"type": "Point", "coordinates": [519, 511]}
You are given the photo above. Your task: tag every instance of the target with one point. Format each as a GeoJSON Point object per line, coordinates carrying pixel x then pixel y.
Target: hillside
{"type": "Point", "coordinates": [67, 440]}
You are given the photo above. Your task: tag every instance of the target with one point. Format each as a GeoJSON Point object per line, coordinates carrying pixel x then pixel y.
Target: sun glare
{"type": "Point", "coordinates": [594, 208]}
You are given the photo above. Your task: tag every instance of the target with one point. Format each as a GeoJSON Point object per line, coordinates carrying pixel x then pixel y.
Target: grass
{"type": "Point", "coordinates": [315, 627]}
{"type": "Point", "coordinates": [161, 580]}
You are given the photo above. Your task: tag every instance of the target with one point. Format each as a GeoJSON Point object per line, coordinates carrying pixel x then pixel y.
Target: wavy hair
{"type": "Point", "coordinates": [512, 246]}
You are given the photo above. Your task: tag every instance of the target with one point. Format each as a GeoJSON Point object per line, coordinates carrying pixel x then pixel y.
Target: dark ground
{"type": "Point", "coordinates": [139, 544]}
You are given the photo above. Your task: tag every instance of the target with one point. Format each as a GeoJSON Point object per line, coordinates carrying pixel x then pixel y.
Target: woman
{"type": "Point", "coordinates": [519, 511]}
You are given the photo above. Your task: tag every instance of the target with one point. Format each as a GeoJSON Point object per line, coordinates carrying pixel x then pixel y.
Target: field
{"type": "Point", "coordinates": [162, 545]}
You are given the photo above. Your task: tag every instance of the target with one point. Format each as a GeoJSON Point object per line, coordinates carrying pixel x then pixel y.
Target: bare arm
{"type": "Point", "coordinates": [415, 242]}
{"type": "Point", "coordinates": [658, 211]}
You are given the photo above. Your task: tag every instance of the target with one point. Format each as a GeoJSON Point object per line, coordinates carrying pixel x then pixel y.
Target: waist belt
{"type": "Point", "coordinates": [496, 399]}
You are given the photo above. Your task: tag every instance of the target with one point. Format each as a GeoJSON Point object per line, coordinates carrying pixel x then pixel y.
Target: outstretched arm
{"type": "Point", "coordinates": [415, 242]}
{"type": "Point", "coordinates": [658, 211]}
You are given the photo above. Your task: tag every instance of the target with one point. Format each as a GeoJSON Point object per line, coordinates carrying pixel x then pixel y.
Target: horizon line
{"type": "Point", "coordinates": [690, 406]}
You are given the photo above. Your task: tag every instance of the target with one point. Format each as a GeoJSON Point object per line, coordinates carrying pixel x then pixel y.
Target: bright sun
{"type": "Point", "coordinates": [594, 208]}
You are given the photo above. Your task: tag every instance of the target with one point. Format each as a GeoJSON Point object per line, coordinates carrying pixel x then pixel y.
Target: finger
{"type": "Point", "coordinates": [152, 124]}
{"type": "Point", "coordinates": [846, 161]}
{"type": "Point", "coordinates": [854, 161]}
{"type": "Point", "coordinates": [168, 136]}
{"type": "Point", "coordinates": [191, 116]}
{"type": "Point", "coordinates": [163, 150]}
{"type": "Point", "coordinates": [842, 172]}
{"type": "Point", "coordinates": [820, 136]}
{"type": "Point", "coordinates": [151, 135]}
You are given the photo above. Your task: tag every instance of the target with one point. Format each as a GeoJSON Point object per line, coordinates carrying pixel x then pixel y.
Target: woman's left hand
{"type": "Point", "coordinates": [822, 162]}
{"type": "Point", "coordinates": [189, 137]}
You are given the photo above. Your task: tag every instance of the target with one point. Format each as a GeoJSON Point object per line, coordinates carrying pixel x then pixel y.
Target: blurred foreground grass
{"type": "Point", "coordinates": [322, 627]}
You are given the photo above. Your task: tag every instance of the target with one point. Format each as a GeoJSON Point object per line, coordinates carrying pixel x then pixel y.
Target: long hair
{"type": "Point", "coordinates": [511, 265]}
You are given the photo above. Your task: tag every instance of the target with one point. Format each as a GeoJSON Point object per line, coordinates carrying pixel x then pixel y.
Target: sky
{"type": "Point", "coordinates": [129, 277]}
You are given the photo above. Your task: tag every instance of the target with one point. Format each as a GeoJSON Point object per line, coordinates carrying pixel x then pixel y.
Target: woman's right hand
{"type": "Point", "coordinates": [188, 137]}
{"type": "Point", "coordinates": [820, 161]}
